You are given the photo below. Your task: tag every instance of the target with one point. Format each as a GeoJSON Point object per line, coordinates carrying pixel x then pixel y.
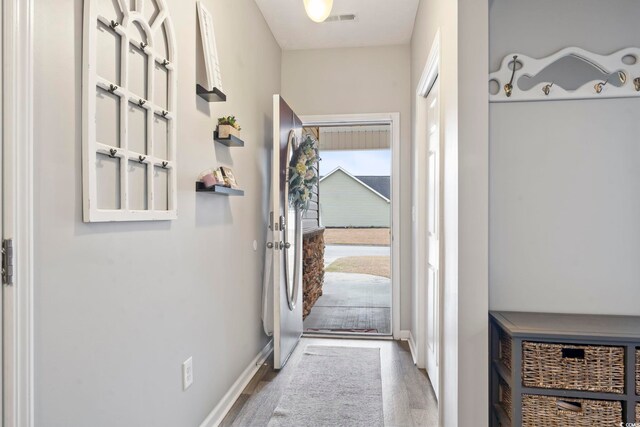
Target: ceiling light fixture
{"type": "Point", "coordinates": [318, 10]}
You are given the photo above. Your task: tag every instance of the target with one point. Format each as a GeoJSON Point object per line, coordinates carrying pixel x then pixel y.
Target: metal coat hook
{"type": "Point", "coordinates": [143, 45]}
{"type": "Point", "coordinates": [508, 88]}
{"type": "Point", "coordinates": [164, 165]}
{"type": "Point", "coordinates": [165, 112]}
{"type": "Point", "coordinates": [599, 86]}
{"type": "Point", "coordinates": [112, 88]}
{"type": "Point", "coordinates": [112, 153]}
{"type": "Point", "coordinates": [141, 102]}
{"type": "Point", "coordinates": [636, 83]}
{"type": "Point", "coordinates": [141, 159]}
{"type": "Point", "coordinates": [622, 76]}
{"type": "Point", "coordinates": [114, 24]}
{"type": "Point", "coordinates": [547, 88]}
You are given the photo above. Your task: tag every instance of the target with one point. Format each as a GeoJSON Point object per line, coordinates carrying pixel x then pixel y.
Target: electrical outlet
{"type": "Point", "coordinates": [187, 373]}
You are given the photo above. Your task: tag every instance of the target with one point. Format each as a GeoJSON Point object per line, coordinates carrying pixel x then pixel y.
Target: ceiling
{"type": "Point", "coordinates": [377, 23]}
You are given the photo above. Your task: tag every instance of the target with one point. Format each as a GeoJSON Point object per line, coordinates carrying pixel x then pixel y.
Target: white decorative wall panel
{"type": "Point", "coordinates": [129, 111]}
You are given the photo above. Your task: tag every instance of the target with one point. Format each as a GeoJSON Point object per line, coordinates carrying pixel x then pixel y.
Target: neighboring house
{"type": "Point", "coordinates": [354, 201]}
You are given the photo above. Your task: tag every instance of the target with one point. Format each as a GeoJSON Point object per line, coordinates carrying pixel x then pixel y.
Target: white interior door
{"type": "Point", "coordinates": [16, 183]}
{"type": "Point", "coordinates": [287, 237]}
{"type": "Point", "coordinates": [434, 193]}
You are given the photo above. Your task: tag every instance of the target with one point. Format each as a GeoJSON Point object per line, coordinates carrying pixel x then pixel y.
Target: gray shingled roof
{"type": "Point", "coordinates": [382, 184]}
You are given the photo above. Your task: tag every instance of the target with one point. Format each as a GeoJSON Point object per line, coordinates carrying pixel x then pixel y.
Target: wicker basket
{"type": "Point", "coordinates": [505, 349]}
{"type": "Point", "coordinates": [572, 367]}
{"type": "Point", "coordinates": [504, 396]}
{"type": "Point", "coordinates": [638, 413]}
{"type": "Point", "coordinates": [638, 371]}
{"type": "Point", "coordinates": [540, 411]}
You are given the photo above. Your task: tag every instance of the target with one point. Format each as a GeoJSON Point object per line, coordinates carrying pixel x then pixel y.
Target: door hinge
{"type": "Point", "coordinates": [7, 262]}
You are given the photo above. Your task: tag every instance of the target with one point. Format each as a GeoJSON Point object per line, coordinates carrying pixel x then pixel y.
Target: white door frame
{"type": "Point", "coordinates": [393, 120]}
{"type": "Point", "coordinates": [427, 80]}
{"type": "Point", "coordinates": [17, 139]}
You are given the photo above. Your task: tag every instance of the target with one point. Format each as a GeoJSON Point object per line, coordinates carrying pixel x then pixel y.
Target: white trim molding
{"type": "Point", "coordinates": [223, 407]}
{"type": "Point", "coordinates": [406, 335]}
{"type": "Point", "coordinates": [17, 67]}
{"type": "Point", "coordinates": [431, 68]}
{"type": "Point", "coordinates": [393, 120]}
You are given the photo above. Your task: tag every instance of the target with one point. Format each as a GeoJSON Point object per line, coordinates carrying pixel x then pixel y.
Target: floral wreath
{"type": "Point", "coordinates": [302, 173]}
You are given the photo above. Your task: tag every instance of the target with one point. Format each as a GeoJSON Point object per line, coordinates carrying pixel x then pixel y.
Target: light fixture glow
{"type": "Point", "coordinates": [318, 10]}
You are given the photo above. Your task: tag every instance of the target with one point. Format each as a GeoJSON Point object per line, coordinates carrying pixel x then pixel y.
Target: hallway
{"type": "Point", "coordinates": [169, 255]}
{"type": "Point", "coordinates": [407, 398]}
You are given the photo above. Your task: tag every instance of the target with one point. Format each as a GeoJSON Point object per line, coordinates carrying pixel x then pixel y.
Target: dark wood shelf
{"type": "Point", "coordinates": [502, 371]}
{"type": "Point", "coordinates": [214, 95]}
{"type": "Point", "coordinates": [573, 394]}
{"type": "Point", "coordinates": [218, 189]}
{"type": "Point", "coordinates": [564, 329]}
{"type": "Point", "coordinates": [572, 327]}
{"type": "Point", "coordinates": [232, 141]}
{"type": "Point", "coordinates": [504, 419]}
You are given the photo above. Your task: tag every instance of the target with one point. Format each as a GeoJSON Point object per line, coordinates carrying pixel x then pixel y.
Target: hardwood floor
{"type": "Point", "coordinates": [407, 396]}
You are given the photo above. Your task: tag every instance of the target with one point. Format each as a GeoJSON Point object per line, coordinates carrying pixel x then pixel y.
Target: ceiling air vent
{"type": "Point", "coordinates": [340, 18]}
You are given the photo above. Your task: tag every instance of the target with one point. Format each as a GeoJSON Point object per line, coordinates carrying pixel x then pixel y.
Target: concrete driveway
{"type": "Point", "coordinates": [333, 252]}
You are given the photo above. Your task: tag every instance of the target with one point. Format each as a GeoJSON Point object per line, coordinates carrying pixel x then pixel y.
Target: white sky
{"type": "Point", "coordinates": [357, 162]}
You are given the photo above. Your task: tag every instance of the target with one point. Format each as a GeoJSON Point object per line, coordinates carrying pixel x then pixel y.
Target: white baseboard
{"type": "Point", "coordinates": [216, 416]}
{"type": "Point", "coordinates": [412, 346]}
{"type": "Point", "coordinates": [406, 335]}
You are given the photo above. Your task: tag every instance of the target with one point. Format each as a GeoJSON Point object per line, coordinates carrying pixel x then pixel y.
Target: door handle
{"type": "Point", "coordinates": [278, 245]}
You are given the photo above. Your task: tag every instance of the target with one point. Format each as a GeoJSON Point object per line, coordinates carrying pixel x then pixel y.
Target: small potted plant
{"type": "Point", "coordinates": [228, 126]}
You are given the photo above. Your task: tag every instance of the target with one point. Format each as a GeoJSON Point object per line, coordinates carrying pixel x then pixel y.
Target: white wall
{"type": "Point", "coordinates": [464, 126]}
{"type": "Point", "coordinates": [119, 307]}
{"type": "Point", "coordinates": [565, 182]}
{"type": "Point", "coordinates": [355, 81]}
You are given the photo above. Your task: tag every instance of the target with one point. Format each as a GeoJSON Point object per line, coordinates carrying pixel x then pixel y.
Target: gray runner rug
{"type": "Point", "coordinates": [333, 386]}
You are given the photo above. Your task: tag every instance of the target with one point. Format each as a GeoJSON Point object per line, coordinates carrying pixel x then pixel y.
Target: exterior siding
{"type": "Point", "coordinates": [347, 203]}
{"type": "Point", "coordinates": [311, 218]}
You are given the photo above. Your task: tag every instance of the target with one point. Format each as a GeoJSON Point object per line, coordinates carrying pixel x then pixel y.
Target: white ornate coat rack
{"type": "Point", "coordinates": [142, 31]}
{"type": "Point", "coordinates": [623, 66]}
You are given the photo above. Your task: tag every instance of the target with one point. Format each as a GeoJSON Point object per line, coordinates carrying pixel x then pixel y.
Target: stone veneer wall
{"type": "Point", "coordinates": [313, 269]}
